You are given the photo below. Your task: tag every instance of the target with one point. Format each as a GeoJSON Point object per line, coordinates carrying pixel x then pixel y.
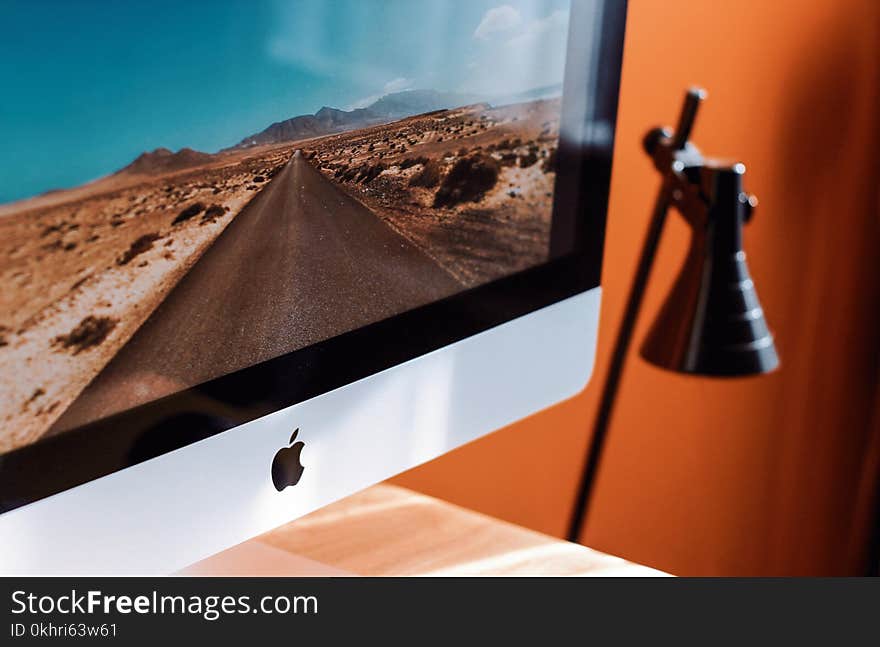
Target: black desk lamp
{"type": "Point", "coordinates": [712, 323]}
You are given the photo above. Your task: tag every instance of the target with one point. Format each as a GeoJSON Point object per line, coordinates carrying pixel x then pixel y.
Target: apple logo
{"type": "Point", "coordinates": [287, 469]}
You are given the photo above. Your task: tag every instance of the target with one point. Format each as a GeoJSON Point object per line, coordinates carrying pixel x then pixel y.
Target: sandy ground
{"type": "Point", "coordinates": [303, 261]}
{"type": "Point", "coordinates": [82, 269]}
{"type": "Point", "coordinates": [506, 229]}
{"type": "Point", "coordinates": [81, 275]}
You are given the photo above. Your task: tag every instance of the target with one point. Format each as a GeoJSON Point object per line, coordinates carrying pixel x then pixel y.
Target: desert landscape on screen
{"type": "Point", "coordinates": [136, 285]}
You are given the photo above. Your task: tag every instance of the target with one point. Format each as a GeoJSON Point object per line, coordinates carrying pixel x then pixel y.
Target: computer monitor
{"type": "Point", "coordinates": [257, 256]}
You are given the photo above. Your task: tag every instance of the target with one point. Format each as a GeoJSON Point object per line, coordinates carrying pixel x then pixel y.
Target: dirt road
{"type": "Point", "coordinates": [302, 262]}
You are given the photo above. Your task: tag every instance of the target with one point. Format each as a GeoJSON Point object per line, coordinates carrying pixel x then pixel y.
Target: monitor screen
{"type": "Point", "coordinates": [202, 201]}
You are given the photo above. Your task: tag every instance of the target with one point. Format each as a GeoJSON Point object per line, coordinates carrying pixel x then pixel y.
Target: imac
{"type": "Point", "coordinates": [258, 256]}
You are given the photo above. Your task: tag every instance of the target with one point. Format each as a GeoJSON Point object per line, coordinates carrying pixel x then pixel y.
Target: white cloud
{"type": "Point", "coordinates": [303, 36]}
{"type": "Point", "coordinates": [497, 20]}
{"type": "Point", "coordinates": [394, 85]}
{"type": "Point", "coordinates": [397, 85]}
{"type": "Point", "coordinates": [530, 55]}
{"type": "Point", "coordinates": [542, 29]}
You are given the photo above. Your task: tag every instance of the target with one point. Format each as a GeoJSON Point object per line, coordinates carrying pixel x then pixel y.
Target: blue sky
{"type": "Point", "coordinates": [87, 85]}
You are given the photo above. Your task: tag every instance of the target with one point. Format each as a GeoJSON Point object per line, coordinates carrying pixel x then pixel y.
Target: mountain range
{"type": "Point", "coordinates": [163, 160]}
{"type": "Point", "coordinates": [332, 120]}
{"type": "Point", "coordinates": [327, 121]}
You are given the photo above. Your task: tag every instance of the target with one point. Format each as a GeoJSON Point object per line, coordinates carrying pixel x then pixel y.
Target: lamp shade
{"type": "Point", "coordinates": [712, 322]}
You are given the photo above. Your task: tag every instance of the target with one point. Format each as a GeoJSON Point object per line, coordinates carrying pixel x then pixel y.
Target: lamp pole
{"type": "Point", "coordinates": [679, 144]}
{"type": "Point", "coordinates": [712, 323]}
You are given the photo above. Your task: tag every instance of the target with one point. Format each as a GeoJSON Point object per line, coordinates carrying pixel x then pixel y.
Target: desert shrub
{"type": "Point", "coordinates": [467, 181]}
{"type": "Point", "coordinates": [508, 159]}
{"type": "Point", "coordinates": [549, 165]}
{"type": "Point", "coordinates": [412, 161]}
{"type": "Point", "coordinates": [190, 212]}
{"type": "Point", "coordinates": [51, 229]}
{"type": "Point", "coordinates": [371, 173]}
{"type": "Point", "coordinates": [138, 247]}
{"type": "Point", "coordinates": [90, 332]}
{"type": "Point", "coordinates": [361, 172]}
{"type": "Point", "coordinates": [428, 177]}
{"type": "Point", "coordinates": [527, 160]}
{"type": "Point", "coordinates": [350, 174]}
{"type": "Point", "coordinates": [212, 213]}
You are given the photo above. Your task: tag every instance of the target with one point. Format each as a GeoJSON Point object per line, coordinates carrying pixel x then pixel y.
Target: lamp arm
{"type": "Point", "coordinates": [618, 359]}
{"type": "Point", "coordinates": [672, 153]}
{"type": "Point", "coordinates": [708, 193]}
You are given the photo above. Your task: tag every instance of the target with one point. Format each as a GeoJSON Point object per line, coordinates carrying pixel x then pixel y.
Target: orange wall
{"type": "Point", "coordinates": [754, 476]}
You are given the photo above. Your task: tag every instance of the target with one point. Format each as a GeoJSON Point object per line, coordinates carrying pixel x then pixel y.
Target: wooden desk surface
{"type": "Point", "coordinates": [388, 530]}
